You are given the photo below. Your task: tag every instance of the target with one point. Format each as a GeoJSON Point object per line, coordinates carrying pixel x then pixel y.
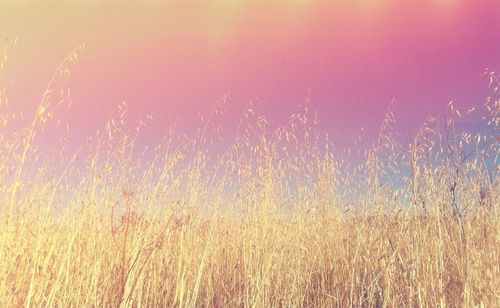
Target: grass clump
{"type": "Point", "coordinates": [278, 219]}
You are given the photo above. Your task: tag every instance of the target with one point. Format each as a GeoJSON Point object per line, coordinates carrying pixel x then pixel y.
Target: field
{"type": "Point", "coordinates": [278, 218]}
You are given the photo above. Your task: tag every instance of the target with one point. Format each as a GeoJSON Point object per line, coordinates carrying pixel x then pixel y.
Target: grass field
{"type": "Point", "coordinates": [280, 218]}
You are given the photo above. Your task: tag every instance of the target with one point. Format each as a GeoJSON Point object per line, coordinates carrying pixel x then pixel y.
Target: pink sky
{"type": "Point", "coordinates": [175, 59]}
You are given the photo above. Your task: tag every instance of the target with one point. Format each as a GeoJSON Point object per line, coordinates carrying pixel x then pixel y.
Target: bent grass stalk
{"type": "Point", "coordinates": [41, 110]}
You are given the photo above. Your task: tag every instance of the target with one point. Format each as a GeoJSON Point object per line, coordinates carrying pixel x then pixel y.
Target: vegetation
{"type": "Point", "coordinates": [281, 218]}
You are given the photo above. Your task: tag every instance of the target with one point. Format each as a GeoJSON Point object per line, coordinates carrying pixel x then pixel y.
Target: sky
{"type": "Point", "coordinates": [174, 59]}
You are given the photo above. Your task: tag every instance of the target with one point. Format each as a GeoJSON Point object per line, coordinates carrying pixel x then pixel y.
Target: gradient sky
{"type": "Point", "coordinates": [175, 59]}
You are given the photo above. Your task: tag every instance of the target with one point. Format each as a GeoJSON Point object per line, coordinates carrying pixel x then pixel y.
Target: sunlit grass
{"type": "Point", "coordinates": [279, 219]}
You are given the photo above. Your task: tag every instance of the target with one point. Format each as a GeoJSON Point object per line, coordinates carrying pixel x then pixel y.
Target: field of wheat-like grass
{"type": "Point", "coordinates": [278, 218]}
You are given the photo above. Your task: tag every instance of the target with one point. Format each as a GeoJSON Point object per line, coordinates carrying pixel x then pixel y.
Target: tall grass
{"type": "Point", "coordinates": [280, 218]}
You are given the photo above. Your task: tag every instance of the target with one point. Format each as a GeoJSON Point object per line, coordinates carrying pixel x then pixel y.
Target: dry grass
{"type": "Point", "coordinates": [279, 219]}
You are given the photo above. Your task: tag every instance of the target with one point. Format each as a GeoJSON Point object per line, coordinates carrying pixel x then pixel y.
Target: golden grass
{"type": "Point", "coordinates": [279, 219]}
{"type": "Point", "coordinates": [309, 260]}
